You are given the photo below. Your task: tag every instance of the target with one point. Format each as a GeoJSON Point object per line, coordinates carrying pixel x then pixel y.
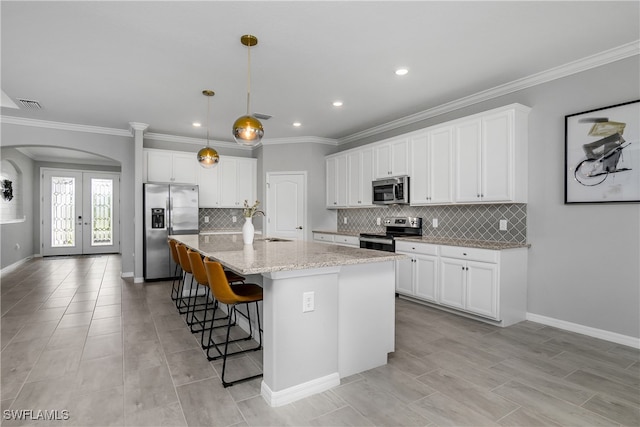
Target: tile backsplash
{"type": "Point", "coordinates": [477, 222]}
{"type": "Point", "coordinates": [222, 219]}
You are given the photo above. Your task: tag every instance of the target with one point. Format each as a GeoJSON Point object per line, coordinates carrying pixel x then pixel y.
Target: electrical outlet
{"type": "Point", "coordinates": [234, 219]}
{"type": "Point", "coordinates": [345, 219]}
{"type": "Point", "coordinates": [206, 219]}
{"type": "Point", "coordinates": [503, 225]}
{"type": "Point", "coordinates": [308, 303]}
{"type": "Point", "coordinates": [435, 222]}
{"type": "Point", "coordinates": [378, 221]}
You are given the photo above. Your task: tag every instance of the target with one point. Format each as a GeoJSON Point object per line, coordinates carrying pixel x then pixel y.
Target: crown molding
{"type": "Point", "coordinates": [584, 64]}
{"type": "Point", "coordinates": [297, 140]}
{"type": "Point", "coordinates": [20, 121]}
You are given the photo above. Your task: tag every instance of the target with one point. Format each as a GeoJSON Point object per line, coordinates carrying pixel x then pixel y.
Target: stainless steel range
{"type": "Point", "coordinates": [396, 227]}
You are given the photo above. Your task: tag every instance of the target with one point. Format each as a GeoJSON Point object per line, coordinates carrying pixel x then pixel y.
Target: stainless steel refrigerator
{"type": "Point", "coordinates": [168, 209]}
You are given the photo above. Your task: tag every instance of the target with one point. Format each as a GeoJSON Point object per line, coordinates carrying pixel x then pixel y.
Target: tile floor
{"type": "Point", "coordinates": [77, 338]}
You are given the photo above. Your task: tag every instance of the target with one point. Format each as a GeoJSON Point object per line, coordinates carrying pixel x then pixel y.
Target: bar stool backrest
{"type": "Point", "coordinates": [174, 252]}
{"type": "Point", "coordinates": [219, 285]}
{"type": "Point", "coordinates": [183, 257]}
{"type": "Point", "coordinates": [197, 267]}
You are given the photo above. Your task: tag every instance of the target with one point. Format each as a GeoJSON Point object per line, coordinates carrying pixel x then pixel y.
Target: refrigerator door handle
{"type": "Point", "coordinates": [167, 217]}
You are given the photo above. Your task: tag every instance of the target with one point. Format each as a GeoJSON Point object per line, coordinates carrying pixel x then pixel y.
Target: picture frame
{"type": "Point", "coordinates": [602, 155]}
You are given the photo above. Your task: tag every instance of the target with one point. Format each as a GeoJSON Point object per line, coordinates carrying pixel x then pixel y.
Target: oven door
{"type": "Point", "coordinates": [386, 244]}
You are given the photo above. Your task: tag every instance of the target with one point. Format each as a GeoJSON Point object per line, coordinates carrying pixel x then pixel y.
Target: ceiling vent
{"type": "Point", "coordinates": [30, 104]}
{"type": "Point", "coordinates": [261, 116]}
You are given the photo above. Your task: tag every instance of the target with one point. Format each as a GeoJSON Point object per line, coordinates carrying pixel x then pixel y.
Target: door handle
{"type": "Point", "coordinates": [299, 227]}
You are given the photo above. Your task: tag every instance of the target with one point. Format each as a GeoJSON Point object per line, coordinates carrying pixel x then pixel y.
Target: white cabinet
{"type": "Point", "coordinates": [359, 177]}
{"type": "Point", "coordinates": [392, 158]}
{"type": "Point", "coordinates": [336, 168]}
{"type": "Point", "coordinates": [237, 181]}
{"type": "Point", "coordinates": [171, 167]}
{"type": "Point", "coordinates": [490, 157]}
{"type": "Point", "coordinates": [323, 237]}
{"type": "Point", "coordinates": [338, 239]}
{"type": "Point", "coordinates": [417, 276]}
{"type": "Point", "coordinates": [491, 284]}
{"type": "Point", "coordinates": [431, 172]}
{"type": "Point", "coordinates": [209, 187]}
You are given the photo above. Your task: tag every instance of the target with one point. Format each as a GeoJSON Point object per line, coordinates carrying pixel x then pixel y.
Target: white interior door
{"type": "Point", "coordinates": [286, 204]}
{"type": "Point", "coordinates": [80, 212]}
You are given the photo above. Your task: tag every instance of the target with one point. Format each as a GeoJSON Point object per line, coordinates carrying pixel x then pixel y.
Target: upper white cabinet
{"type": "Point", "coordinates": [432, 167]}
{"type": "Point", "coordinates": [237, 181]}
{"type": "Point", "coordinates": [209, 187]}
{"type": "Point", "coordinates": [359, 177]}
{"type": "Point", "coordinates": [491, 157]}
{"type": "Point", "coordinates": [392, 158]}
{"type": "Point", "coordinates": [171, 167]}
{"type": "Point", "coordinates": [336, 181]}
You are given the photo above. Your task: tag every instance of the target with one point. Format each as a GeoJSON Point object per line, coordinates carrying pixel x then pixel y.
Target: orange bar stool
{"type": "Point", "coordinates": [178, 277]}
{"type": "Point", "coordinates": [232, 296]}
{"type": "Point", "coordinates": [192, 304]}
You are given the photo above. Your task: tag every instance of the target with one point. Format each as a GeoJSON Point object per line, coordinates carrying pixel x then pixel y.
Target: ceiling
{"type": "Point", "coordinates": [107, 64]}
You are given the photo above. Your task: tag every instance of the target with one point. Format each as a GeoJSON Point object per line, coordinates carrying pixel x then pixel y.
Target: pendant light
{"type": "Point", "coordinates": [247, 130]}
{"type": "Point", "coordinates": [208, 157]}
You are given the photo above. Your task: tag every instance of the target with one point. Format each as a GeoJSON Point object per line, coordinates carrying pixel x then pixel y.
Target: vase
{"type": "Point", "coordinates": [248, 231]}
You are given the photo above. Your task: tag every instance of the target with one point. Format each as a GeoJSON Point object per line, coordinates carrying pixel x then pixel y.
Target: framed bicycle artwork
{"type": "Point", "coordinates": [602, 155]}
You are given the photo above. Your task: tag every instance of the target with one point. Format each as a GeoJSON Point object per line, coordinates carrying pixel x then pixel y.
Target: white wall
{"type": "Point", "coordinates": [118, 148]}
{"type": "Point", "coordinates": [584, 259]}
{"type": "Point", "coordinates": [17, 238]}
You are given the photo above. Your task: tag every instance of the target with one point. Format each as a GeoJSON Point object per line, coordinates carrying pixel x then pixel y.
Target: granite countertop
{"type": "Point", "coordinates": [268, 256]}
{"type": "Point", "coordinates": [467, 243]}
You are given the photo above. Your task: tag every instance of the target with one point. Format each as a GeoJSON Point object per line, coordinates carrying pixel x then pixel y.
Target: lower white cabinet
{"type": "Point", "coordinates": [487, 283]}
{"type": "Point", "coordinates": [337, 239]}
{"type": "Point", "coordinates": [417, 276]}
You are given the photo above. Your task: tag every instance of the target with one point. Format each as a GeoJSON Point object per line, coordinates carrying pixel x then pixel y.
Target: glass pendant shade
{"type": "Point", "coordinates": [208, 157]}
{"type": "Point", "coordinates": [247, 130]}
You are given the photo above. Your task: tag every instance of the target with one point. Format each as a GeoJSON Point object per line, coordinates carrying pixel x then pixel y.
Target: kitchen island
{"type": "Point", "coordinates": [328, 311]}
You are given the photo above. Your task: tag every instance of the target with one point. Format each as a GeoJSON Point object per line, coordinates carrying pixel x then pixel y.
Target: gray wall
{"type": "Point", "coordinates": [307, 157]}
{"type": "Point", "coordinates": [118, 148]}
{"type": "Point", "coordinates": [583, 262]}
{"type": "Point", "coordinates": [20, 233]}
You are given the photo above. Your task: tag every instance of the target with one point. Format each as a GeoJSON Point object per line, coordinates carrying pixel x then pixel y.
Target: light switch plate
{"type": "Point", "coordinates": [308, 303]}
{"type": "Point", "coordinates": [503, 225]}
{"type": "Point", "coordinates": [435, 222]}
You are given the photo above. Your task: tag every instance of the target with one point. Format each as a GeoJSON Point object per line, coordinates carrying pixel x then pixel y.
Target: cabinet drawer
{"type": "Point", "coordinates": [347, 240]}
{"type": "Point", "coordinates": [416, 248]}
{"type": "Point", "coordinates": [472, 254]}
{"type": "Point", "coordinates": [323, 237]}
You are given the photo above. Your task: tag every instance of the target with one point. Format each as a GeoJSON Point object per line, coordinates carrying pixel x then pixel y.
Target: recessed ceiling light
{"type": "Point", "coordinates": [196, 124]}
{"type": "Point", "coordinates": [337, 103]}
{"type": "Point", "coordinates": [297, 124]}
{"type": "Point", "coordinates": [401, 71]}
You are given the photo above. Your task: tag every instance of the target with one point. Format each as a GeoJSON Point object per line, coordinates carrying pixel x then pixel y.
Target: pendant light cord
{"type": "Point", "coordinates": [208, 114]}
{"type": "Point", "coordinates": [248, 77]}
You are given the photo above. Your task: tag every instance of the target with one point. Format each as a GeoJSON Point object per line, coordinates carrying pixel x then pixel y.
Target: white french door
{"type": "Point", "coordinates": [286, 204]}
{"type": "Point", "coordinates": [80, 212]}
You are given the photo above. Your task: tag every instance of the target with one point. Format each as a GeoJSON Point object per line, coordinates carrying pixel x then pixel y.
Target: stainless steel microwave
{"type": "Point", "coordinates": [391, 191]}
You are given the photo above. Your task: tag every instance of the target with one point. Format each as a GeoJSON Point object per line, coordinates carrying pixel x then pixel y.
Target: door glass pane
{"type": "Point", "coordinates": [101, 212]}
{"type": "Point", "coordinates": [63, 211]}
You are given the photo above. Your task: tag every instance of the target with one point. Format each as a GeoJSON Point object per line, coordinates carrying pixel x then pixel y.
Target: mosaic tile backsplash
{"type": "Point", "coordinates": [476, 222]}
{"type": "Point", "coordinates": [222, 219]}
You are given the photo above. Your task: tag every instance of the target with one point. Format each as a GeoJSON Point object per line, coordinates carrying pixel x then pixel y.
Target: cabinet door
{"type": "Point", "coordinates": [184, 168]}
{"type": "Point", "coordinates": [382, 161]}
{"type": "Point", "coordinates": [467, 161]}
{"type": "Point", "coordinates": [246, 179]}
{"type": "Point", "coordinates": [452, 282]}
{"type": "Point", "coordinates": [332, 196]}
{"type": "Point", "coordinates": [209, 187]}
{"type": "Point", "coordinates": [400, 157]}
{"type": "Point", "coordinates": [482, 289]}
{"type": "Point", "coordinates": [228, 182]}
{"type": "Point", "coordinates": [426, 277]}
{"type": "Point", "coordinates": [354, 184]}
{"type": "Point", "coordinates": [419, 185]}
{"type": "Point", "coordinates": [341, 181]}
{"type": "Point", "coordinates": [159, 166]}
{"type": "Point", "coordinates": [366, 177]}
{"type": "Point", "coordinates": [497, 155]}
{"type": "Point", "coordinates": [440, 169]}
{"type": "Point", "coordinates": [404, 276]}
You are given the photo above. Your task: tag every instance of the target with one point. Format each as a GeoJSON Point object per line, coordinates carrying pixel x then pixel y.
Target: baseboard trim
{"type": "Point", "coordinates": [586, 330]}
{"type": "Point", "coordinates": [300, 391]}
{"type": "Point", "coordinates": [15, 265]}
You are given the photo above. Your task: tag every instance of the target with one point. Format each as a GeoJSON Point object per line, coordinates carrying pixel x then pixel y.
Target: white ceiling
{"type": "Point", "coordinates": [110, 63]}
